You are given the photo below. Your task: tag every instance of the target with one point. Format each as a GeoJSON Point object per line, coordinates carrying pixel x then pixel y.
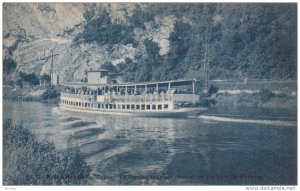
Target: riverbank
{"type": "Point", "coordinates": [32, 93]}
{"type": "Point", "coordinates": [259, 99]}
{"type": "Point", "coordinates": [28, 161]}
{"type": "Point", "coordinates": [265, 94]}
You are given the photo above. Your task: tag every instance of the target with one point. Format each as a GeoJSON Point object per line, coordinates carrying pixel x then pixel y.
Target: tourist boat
{"type": "Point", "coordinates": [100, 94]}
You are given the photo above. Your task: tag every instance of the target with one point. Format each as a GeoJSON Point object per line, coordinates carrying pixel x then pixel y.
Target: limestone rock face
{"type": "Point", "coordinates": [35, 31]}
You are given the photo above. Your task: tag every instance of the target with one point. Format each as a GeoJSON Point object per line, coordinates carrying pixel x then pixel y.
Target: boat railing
{"type": "Point", "coordinates": [142, 98]}
{"type": "Point", "coordinates": [78, 96]}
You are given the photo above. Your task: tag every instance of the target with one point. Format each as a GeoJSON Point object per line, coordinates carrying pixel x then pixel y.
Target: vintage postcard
{"type": "Point", "coordinates": [149, 94]}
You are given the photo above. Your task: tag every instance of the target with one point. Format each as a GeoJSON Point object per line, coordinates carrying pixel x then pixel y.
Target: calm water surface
{"type": "Point", "coordinates": [223, 146]}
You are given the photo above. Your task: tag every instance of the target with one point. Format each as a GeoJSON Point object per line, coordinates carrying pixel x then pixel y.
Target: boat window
{"type": "Point", "coordinates": [153, 107]}
{"type": "Point", "coordinates": [119, 106]}
{"type": "Point", "coordinates": [99, 105]}
{"type": "Point", "coordinates": [110, 106]}
{"type": "Point", "coordinates": [143, 107]}
{"type": "Point", "coordinates": [128, 107]}
{"type": "Point", "coordinates": [76, 103]}
{"type": "Point", "coordinates": [106, 106]}
{"type": "Point", "coordinates": [148, 107]}
{"type": "Point", "coordinates": [113, 106]}
{"type": "Point", "coordinates": [123, 106]}
{"type": "Point", "coordinates": [166, 106]}
{"type": "Point", "coordinates": [132, 106]}
{"type": "Point", "coordinates": [159, 107]}
{"type": "Point", "coordinates": [137, 107]}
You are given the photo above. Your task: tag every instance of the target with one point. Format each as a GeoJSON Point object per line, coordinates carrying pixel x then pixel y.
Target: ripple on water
{"type": "Point", "coordinates": [70, 119]}
{"type": "Point", "coordinates": [86, 133]}
{"type": "Point", "coordinates": [82, 124]}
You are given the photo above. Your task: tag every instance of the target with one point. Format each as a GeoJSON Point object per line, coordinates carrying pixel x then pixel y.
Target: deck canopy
{"type": "Point", "coordinates": [179, 86]}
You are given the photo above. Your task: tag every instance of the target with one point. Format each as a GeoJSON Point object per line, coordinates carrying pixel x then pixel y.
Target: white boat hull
{"type": "Point", "coordinates": [183, 112]}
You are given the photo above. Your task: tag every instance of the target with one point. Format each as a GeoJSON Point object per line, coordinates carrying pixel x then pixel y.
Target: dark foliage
{"type": "Point", "coordinates": [89, 14]}
{"type": "Point", "coordinates": [31, 78]}
{"type": "Point", "coordinates": [110, 67]}
{"type": "Point", "coordinates": [140, 16]}
{"type": "Point", "coordinates": [9, 65]}
{"type": "Point", "coordinates": [45, 79]}
{"type": "Point", "coordinates": [19, 83]}
{"type": "Point", "coordinates": [103, 31]}
{"type": "Point", "coordinates": [51, 92]}
{"type": "Point", "coordinates": [30, 162]}
{"type": "Point", "coordinates": [245, 41]}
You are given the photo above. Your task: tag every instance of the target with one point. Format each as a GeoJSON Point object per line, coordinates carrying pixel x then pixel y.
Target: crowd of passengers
{"type": "Point", "coordinates": [110, 91]}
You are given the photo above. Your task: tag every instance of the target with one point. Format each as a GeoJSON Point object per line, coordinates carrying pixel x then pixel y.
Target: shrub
{"type": "Point", "coordinates": [9, 66]}
{"type": "Point", "coordinates": [32, 79]}
{"type": "Point", "coordinates": [265, 95]}
{"type": "Point", "coordinates": [27, 161]}
{"type": "Point", "coordinates": [51, 92]}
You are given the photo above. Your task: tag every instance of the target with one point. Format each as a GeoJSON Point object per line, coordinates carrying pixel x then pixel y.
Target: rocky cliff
{"type": "Point", "coordinates": [150, 41]}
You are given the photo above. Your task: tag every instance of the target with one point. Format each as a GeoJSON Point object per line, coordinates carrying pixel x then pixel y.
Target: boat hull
{"type": "Point", "coordinates": [178, 113]}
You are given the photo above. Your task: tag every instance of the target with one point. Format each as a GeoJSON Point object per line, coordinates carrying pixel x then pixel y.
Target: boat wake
{"type": "Point", "coordinates": [254, 121]}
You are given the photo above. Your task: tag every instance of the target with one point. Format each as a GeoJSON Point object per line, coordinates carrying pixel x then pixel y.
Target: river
{"type": "Point", "coordinates": [225, 146]}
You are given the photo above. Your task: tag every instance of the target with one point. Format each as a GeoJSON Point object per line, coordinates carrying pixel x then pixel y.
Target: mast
{"type": "Point", "coordinates": [51, 69]}
{"type": "Point", "coordinates": [206, 67]}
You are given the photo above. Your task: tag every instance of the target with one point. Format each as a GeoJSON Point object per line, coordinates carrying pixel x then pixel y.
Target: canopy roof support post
{"type": "Point", "coordinates": [135, 89]}
{"type": "Point", "coordinates": [157, 87]}
{"type": "Point", "coordinates": [169, 85]}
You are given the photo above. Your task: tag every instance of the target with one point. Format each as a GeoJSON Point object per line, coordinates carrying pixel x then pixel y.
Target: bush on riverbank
{"type": "Point", "coordinates": [263, 98]}
{"type": "Point", "coordinates": [33, 93]}
{"type": "Point", "coordinates": [26, 161]}
{"type": "Point", "coordinates": [51, 93]}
